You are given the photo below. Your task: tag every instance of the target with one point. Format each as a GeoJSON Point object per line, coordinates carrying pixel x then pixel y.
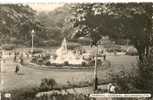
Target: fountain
{"type": "Point", "coordinates": [65, 55]}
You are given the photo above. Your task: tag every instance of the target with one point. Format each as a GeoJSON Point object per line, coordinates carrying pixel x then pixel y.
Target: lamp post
{"type": "Point", "coordinates": [95, 70]}
{"type": "Point", "coordinates": [32, 35]}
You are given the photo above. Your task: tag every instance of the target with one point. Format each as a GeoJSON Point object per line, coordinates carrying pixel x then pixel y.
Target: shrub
{"type": "Point", "coordinates": [125, 81]}
{"type": "Point", "coordinates": [66, 63]}
{"type": "Point", "coordinates": [144, 80]}
{"type": "Point", "coordinates": [47, 84]}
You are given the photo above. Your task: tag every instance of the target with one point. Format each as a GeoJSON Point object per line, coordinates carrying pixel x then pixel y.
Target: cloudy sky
{"type": "Point", "coordinates": [45, 7]}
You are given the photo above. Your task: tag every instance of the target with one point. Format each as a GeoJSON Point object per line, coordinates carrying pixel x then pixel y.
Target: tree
{"type": "Point", "coordinates": [132, 21]}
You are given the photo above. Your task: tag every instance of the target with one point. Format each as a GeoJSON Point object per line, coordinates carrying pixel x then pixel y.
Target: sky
{"type": "Point", "coordinates": [45, 7]}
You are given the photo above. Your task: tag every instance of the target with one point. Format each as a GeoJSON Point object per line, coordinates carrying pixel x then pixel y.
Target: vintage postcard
{"type": "Point", "coordinates": [76, 51]}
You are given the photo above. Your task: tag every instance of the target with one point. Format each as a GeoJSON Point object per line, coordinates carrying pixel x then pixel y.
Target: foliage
{"type": "Point", "coordinates": [55, 25]}
{"type": "Point", "coordinates": [144, 81]}
{"type": "Point", "coordinates": [124, 82]}
{"type": "Point", "coordinates": [47, 84]}
{"type": "Point", "coordinates": [17, 22]}
{"type": "Point", "coordinates": [132, 21]}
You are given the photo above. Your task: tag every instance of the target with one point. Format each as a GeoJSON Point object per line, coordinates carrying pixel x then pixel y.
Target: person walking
{"type": "Point", "coordinates": [14, 58]}
{"type": "Point", "coordinates": [105, 63]}
{"type": "Point", "coordinates": [17, 68]}
{"type": "Point", "coordinates": [21, 59]}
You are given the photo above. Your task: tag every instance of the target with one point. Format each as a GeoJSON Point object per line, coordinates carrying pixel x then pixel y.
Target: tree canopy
{"type": "Point", "coordinates": [132, 21]}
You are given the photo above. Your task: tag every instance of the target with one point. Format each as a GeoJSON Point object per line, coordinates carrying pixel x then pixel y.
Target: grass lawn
{"type": "Point", "coordinates": [29, 77]}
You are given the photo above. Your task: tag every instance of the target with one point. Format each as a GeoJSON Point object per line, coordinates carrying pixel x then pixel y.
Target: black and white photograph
{"type": "Point", "coordinates": [76, 51]}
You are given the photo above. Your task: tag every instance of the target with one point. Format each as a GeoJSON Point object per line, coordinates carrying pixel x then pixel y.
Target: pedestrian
{"type": "Point", "coordinates": [111, 88]}
{"type": "Point", "coordinates": [15, 58]}
{"type": "Point", "coordinates": [21, 60]}
{"type": "Point", "coordinates": [17, 68]}
{"type": "Point", "coordinates": [105, 63]}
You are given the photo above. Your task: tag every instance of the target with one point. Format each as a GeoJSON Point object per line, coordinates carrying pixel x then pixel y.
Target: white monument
{"type": "Point", "coordinates": [65, 55]}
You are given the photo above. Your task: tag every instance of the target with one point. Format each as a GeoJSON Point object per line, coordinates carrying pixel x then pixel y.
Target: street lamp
{"type": "Point", "coordinates": [32, 34]}
{"type": "Point", "coordinates": [95, 70]}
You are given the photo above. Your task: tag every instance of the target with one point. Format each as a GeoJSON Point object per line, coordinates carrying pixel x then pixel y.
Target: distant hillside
{"type": "Point", "coordinates": [55, 23]}
{"type": "Point", "coordinates": [18, 21]}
